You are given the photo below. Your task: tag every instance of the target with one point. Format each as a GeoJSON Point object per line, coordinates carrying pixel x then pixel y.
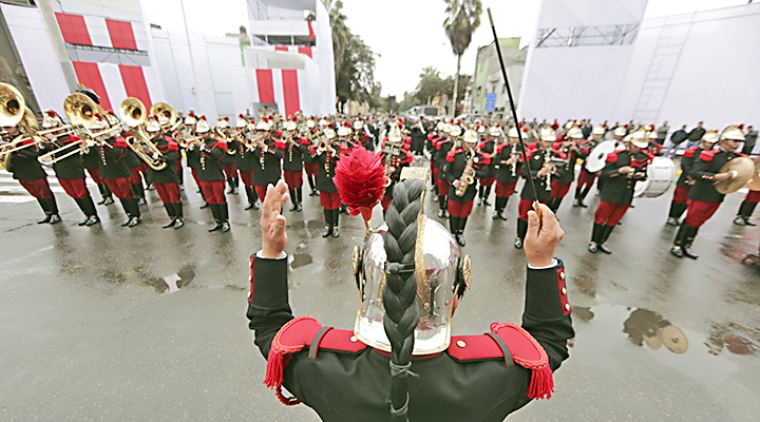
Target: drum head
{"type": "Point", "coordinates": [597, 158]}
{"type": "Point", "coordinates": [661, 173]}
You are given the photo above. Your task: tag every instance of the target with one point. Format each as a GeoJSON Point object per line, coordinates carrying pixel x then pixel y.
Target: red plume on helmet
{"type": "Point", "coordinates": [360, 180]}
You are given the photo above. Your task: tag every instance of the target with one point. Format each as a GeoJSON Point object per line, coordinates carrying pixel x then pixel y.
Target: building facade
{"type": "Point", "coordinates": [108, 46]}
{"type": "Point", "coordinates": [488, 93]}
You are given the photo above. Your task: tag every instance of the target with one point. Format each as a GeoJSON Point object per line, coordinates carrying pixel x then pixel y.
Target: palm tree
{"type": "Point", "coordinates": [462, 19]}
{"type": "Point", "coordinates": [341, 34]}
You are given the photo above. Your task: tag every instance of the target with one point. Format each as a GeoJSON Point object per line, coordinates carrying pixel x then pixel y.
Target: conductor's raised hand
{"type": "Point", "coordinates": [273, 234]}
{"type": "Point", "coordinates": [543, 237]}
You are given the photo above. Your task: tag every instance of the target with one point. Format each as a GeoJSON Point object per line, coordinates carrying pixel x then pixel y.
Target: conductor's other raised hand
{"type": "Point", "coordinates": [543, 237]}
{"type": "Point", "coordinates": [273, 234]}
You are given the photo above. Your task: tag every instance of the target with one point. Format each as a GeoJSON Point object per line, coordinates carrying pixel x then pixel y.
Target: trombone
{"type": "Point", "coordinates": [133, 113]}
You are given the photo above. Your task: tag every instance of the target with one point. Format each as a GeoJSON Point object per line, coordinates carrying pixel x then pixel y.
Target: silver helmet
{"type": "Point", "coordinates": [442, 274]}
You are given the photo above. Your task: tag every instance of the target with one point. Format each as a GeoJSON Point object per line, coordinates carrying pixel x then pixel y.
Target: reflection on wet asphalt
{"type": "Point", "coordinates": [92, 319]}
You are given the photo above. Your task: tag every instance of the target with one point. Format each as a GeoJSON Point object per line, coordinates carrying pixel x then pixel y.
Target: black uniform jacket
{"type": "Point", "coordinates": [170, 154]}
{"type": "Point", "coordinates": [565, 173]}
{"type": "Point", "coordinates": [705, 167]}
{"type": "Point", "coordinates": [618, 188]}
{"type": "Point", "coordinates": [488, 147]}
{"type": "Point", "coordinates": [507, 173]}
{"type": "Point", "coordinates": [113, 160]}
{"type": "Point", "coordinates": [536, 159]}
{"type": "Point", "coordinates": [246, 158]}
{"type": "Point", "coordinates": [477, 378]}
{"type": "Point", "coordinates": [687, 161]}
{"type": "Point", "coordinates": [269, 168]}
{"type": "Point", "coordinates": [24, 164]}
{"type": "Point", "coordinates": [211, 159]}
{"type": "Point", "coordinates": [70, 167]}
{"type": "Point", "coordinates": [442, 148]}
{"type": "Point", "coordinates": [327, 161]}
{"type": "Point", "coordinates": [294, 154]}
{"type": "Point", "coordinates": [456, 161]}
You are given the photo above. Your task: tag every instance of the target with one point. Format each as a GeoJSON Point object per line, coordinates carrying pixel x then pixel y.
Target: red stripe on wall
{"type": "Point", "coordinates": [88, 75]}
{"type": "Point", "coordinates": [73, 28]}
{"type": "Point", "coordinates": [265, 85]}
{"type": "Point", "coordinates": [281, 48]}
{"type": "Point", "coordinates": [134, 83]}
{"type": "Point", "coordinates": [305, 50]}
{"type": "Point", "coordinates": [290, 91]}
{"type": "Point", "coordinates": [121, 34]}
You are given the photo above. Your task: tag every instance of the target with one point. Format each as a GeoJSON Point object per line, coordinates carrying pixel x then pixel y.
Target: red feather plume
{"type": "Point", "coordinates": [360, 180]}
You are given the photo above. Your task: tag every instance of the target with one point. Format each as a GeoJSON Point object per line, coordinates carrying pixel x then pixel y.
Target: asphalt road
{"type": "Point", "coordinates": [107, 323]}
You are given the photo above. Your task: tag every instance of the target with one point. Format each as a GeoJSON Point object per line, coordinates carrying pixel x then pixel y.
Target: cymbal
{"type": "Point", "coordinates": [674, 339]}
{"type": "Point", "coordinates": [754, 184]}
{"type": "Point", "coordinates": [743, 169]}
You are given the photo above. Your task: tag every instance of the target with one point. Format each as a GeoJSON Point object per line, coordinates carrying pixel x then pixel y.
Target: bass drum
{"type": "Point", "coordinates": [597, 158]}
{"type": "Point", "coordinates": [660, 175]}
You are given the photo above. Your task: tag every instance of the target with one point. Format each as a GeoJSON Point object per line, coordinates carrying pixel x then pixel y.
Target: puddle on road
{"type": "Point", "coordinates": [652, 331]}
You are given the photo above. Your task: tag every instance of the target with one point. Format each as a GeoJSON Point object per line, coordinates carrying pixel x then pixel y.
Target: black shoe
{"type": "Point", "coordinates": [336, 231]}
{"type": "Point", "coordinates": [576, 203]}
{"type": "Point", "coordinates": [134, 221]}
{"type": "Point", "coordinates": [217, 226]}
{"type": "Point", "coordinates": [739, 221]}
{"type": "Point", "coordinates": [179, 223]}
{"type": "Point", "coordinates": [234, 191]}
{"type": "Point", "coordinates": [480, 201]}
{"type": "Point", "coordinates": [495, 216]}
{"type": "Point", "coordinates": [749, 222]}
{"type": "Point", "coordinates": [445, 214]}
{"type": "Point", "coordinates": [460, 240]}
{"type": "Point", "coordinates": [687, 253]}
{"type": "Point", "coordinates": [225, 227]}
{"type": "Point", "coordinates": [142, 201]}
{"type": "Point", "coordinates": [171, 223]}
{"type": "Point", "coordinates": [605, 249]}
{"type": "Point", "coordinates": [299, 208]}
{"type": "Point", "coordinates": [150, 187]}
{"type": "Point", "coordinates": [672, 221]}
{"type": "Point", "coordinates": [313, 193]}
{"type": "Point", "coordinates": [92, 220]}
{"type": "Point", "coordinates": [442, 214]}
{"type": "Point", "coordinates": [294, 208]}
{"type": "Point", "coordinates": [251, 207]}
{"type": "Point", "coordinates": [205, 205]}
{"type": "Point", "coordinates": [102, 201]}
{"type": "Point", "coordinates": [126, 223]}
{"type": "Point", "coordinates": [83, 222]}
{"type": "Point", "coordinates": [676, 251]}
{"type": "Point", "coordinates": [54, 219]}
{"type": "Point", "coordinates": [593, 247]}
{"type": "Point", "coordinates": [327, 232]}
{"type": "Point", "coordinates": [518, 243]}
{"type": "Point", "coordinates": [108, 201]}
{"type": "Point", "coordinates": [486, 203]}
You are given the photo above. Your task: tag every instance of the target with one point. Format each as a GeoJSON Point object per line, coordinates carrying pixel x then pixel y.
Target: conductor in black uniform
{"type": "Point", "coordinates": [401, 346]}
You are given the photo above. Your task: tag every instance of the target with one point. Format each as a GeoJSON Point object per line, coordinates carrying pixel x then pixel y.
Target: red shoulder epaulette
{"type": "Point", "coordinates": [708, 155]}
{"type": "Point", "coordinates": [430, 137]}
{"type": "Point", "coordinates": [556, 146]}
{"type": "Point", "coordinates": [450, 156]}
{"type": "Point", "coordinates": [120, 142]}
{"type": "Point", "coordinates": [613, 156]}
{"type": "Point", "coordinates": [312, 149]}
{"type": "Point", "coordinates": [279, 144]}
{"type": "Point", "coordinates": [304, 141]}
{"type": "Point", "coordinates": [221, 145]}
{"type": "Point", "coordinates": [500, 148]}
{"type": "Point", "coordinates": [409, 157]}
{"type": "Point", "coordinates": [293, 337]}
{"type": "Point", "coordinates": [485, 159]}
{"type": "Point", "coordinates": [689, 153]}
{"type": "Point", "coordinates": [171, 145]}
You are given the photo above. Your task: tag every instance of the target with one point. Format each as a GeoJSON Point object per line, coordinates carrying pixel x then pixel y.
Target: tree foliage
{"type": "Point", "coordinates": [462, 19]}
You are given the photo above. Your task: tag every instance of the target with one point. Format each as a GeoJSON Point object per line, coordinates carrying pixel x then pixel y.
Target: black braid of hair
{"type": "Point", "coordinates": [402, 311]}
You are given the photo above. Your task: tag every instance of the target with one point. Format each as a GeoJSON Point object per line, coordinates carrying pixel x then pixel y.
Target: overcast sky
{"type": "Point", "coordinates": [406, 34]}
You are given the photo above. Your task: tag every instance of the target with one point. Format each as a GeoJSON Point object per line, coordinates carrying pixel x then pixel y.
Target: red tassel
{"type": "Point", "coordinates": [541, 383]}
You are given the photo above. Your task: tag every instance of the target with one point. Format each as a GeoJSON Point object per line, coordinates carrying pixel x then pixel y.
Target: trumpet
{"type": "Point", "coordinates": [134, 115]}
{"type": "Point", "coordinates": [324, 146]}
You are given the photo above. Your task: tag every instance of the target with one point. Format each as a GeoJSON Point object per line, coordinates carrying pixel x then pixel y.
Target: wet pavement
{"type": "Point", "coordinates": [108, 323]}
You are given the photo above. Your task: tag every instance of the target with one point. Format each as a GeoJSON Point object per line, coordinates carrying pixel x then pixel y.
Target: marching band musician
{"type": "Point", "coordinates": [623, 170]}
{"type": "Point", "coordinates": [586, 178]}
{"type": "Point", "coordinates": [565, 173]}
{"type": "Point", "coordinates": [211, 177]}
{"type": "Point", "coordinates": [704, 199]}
{"type": "Point", "coordinates": [310, 166]}
{"type": "Point", "coordinates": [174, 135]}
{"type": "Point", "coordinates": [442, 148]}
{"type": "Point", "coordinates": [69, 170]}
{"type": "Point", "coordinates": [360, 135]}
{"type": "Point", "coordinates": [508, 162]}
{"type": "Point", "coordinates": [432, 140]}
{"type": "Point", "coordinates": [344, 374]}
{"type": "Point", "coordinates": [684, 182]}
{"type": "Point", "coordinates": [464, 165]}
{"type": "Point", "coordinates": [113, 152]}
{"type": "Point", "coordinates": [246, 161]}
{"type": "Point", "coordinates": [293, 163]}
{"type": "Point", "coordinates": [539, 168]}
{"type": "Point", "coordinates": [27, 170]}
{"type": "Point", "coordinates": [268, 152]}
{"type": "Point", "coordinates": [194, 156]}
{"type": "Point", "coordinates": [166, 181]}
{"type": "Point", "coordinates": [395, 154]}
{"type": "Point", "coordinates": [91, 163]}
{"type": "Point", "coordinates": [229, 161]}
{"type": "Point", "coordinates": [327, 154]}
{"type": "Point", "coordinates": [488, 147]}
{"type": "Point", "coordinates": [135, 165]}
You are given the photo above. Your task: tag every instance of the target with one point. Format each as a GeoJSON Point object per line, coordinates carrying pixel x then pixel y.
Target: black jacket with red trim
{"type": "Point", "coordinates": [24, 164]}
{"type": "Point", "coordinates": [508, 173]}
{"type": "Point", "coordinates": [169, 154]}
{"type": "Point", "coordinates": [326, 164]}
{"type": "Point", "coordinates": [565, 173]}
{"type": "Point", "coordinates": [210, 161]}
{"type": "Point", "coordinates": [480, 377]}
{"type": "Point", "coordinates": [70, 167]}
{"type": "Point", "coordinates": [114, 159]}
{"type": "Point", "coordinates": [442, 148]}
{"type": "Point", "coordinates": [707, 165]}
{"type": "Point", "coordinates": [269, 169]}
{"type": "Point", "coordinates": [687, 161]}
{"type": "Point", "coordinates": [536, 158]}
{"type": "Point", "coordinates": [456, 161]}
{"type": "Point", "coordinates": [618, 188]}
{"type": "Point", "coordinates": [294, 154]}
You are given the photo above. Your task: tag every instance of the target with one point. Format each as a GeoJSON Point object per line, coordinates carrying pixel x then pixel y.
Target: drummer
{"type": "Point", "coordinates": [704, 198]}
{"type": "Point", "coordinates": [684, 182]}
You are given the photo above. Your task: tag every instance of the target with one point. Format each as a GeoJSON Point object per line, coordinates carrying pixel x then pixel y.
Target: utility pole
{"type": "Point", "coordinates": [193, 89]}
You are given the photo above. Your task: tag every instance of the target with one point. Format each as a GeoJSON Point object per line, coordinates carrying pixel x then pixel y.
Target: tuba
{"type": "Point", "coordinates": [162, 108]}
{"type": "Point", "coordinates": [134, 114]}
{"type": "Point", "coordinates": [12, 105]}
